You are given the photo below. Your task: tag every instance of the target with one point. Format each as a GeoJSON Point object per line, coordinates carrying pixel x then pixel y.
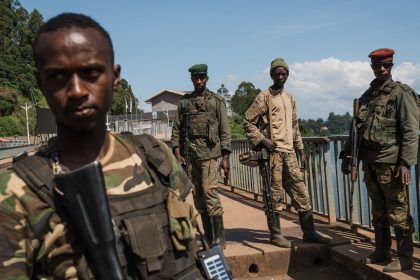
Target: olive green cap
{"type": "Point", "coordinates": [279, 62]}
{"type": "Point", "coordinates": [198, 69]}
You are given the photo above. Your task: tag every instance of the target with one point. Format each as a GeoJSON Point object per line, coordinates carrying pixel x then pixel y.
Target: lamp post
{"type": "Point", "coordinates": [27, 120]}
{"type": "Point", "coordinates": [167, 124]}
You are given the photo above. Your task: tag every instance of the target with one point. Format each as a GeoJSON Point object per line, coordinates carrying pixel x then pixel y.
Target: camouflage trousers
{"type": "Point", "coordinates": [389, 197]}
{"type": "Point", "coordinates": [286, 176]}
{"type": "Point", "coordinates": [204, 176]}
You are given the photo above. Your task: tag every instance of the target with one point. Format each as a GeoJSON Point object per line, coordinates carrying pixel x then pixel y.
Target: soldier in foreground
{"type": "Point", "coordinates": [200, 135]}
{"type": "Point", "coordinates": [75, 70]}
{"type": "Point", "coordinates": [276, 110]}
{"type": "Point", "coordinates": [387, 123]}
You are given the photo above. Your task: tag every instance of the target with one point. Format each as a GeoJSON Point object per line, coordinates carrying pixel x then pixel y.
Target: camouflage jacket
{"type": "Point", "coordinates": [388, 123]}
{"type": "Point", "coordinates": [208, 128]}
{"type": "Point", "coordinates": [35, 239]}
{"type": "Point", "coordinates": [286, 133]}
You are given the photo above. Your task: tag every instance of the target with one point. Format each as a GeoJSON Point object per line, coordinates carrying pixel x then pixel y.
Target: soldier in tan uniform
{"type": "Point", "coordinates": [281, 140]}
{"type": "Point", "coordinates": [76, 73]}
{"type": "Point", "coordinates": [202, 119]}
{"type": "Point", "coordinates": [387, 121]}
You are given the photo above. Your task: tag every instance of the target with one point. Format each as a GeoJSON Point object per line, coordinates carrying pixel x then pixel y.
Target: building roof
{"type": "Point", "coordinates": [177, 92]}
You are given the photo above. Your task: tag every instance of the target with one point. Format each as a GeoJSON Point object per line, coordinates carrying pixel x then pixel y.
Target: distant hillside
{"type": "Point", "coordinates": [17, 84]}
{"type": "Point", "coordinates": [18, 28]}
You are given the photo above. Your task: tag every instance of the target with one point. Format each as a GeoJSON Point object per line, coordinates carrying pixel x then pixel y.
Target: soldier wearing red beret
{"type": "Point", "coordinates": [387, 122]}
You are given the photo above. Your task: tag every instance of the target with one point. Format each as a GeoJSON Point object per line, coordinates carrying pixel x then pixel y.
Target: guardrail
{"type": "Point", "coordinates": [329, 189]}
{"type": "Point", "coordinates": [7, 154]}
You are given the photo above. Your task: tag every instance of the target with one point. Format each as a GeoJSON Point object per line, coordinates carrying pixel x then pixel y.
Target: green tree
{"type": "Point", "coordinates": [121, 101]}
{"type": "Point", "coordinates": [339, 124]}
{"type": "Point", "coordinates": [236, 127]}
{"type": "Point", "coordinates": [10, 126]}
{"type": "Point", "coordinates": [243, 98]}
{"type": "Point", "coordinates": [8, 101]}
{"type": "Point", "coordinates": [17, 31]}
{"type": "Point", "coordinates": [312, 127]}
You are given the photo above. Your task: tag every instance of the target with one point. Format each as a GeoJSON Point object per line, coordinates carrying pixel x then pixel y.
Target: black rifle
{"type": "Point", "coordinates": [353, 158]}
{"type": "Point", "coordinates": [83, 196]}
{"type": "Point", "coordinates": [186, 143]}
{"type": "Point", "coordinates": [265, 175]}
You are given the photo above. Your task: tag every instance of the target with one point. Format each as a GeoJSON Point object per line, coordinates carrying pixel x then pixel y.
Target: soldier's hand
{"type": "Point", "coordinates": [404, 172]}
{"type": "Point", "coordinates": [178, 156]}
{"type": "Point", "coordinates": [303, 162]}
{"type": "Point", "coordinates": [345, 166]}
{"type": "Point", "coordinates": [224, 167]}
{"type": "Point", "coordinates": [268, 144]}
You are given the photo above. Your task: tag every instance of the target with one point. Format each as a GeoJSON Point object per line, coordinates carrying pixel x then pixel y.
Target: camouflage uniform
{"type": "Point", "coordinates": [388, 125]}
{"type": "Point", "coordinates": [285, 170]}
{"type": "Point", "coordinates": [208, 133]}
{"type": "Point", "coordinates": [40, 243]}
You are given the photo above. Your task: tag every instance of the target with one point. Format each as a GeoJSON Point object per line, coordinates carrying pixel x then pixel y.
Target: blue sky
{"type": "Point", "coordinates": [325, 43]}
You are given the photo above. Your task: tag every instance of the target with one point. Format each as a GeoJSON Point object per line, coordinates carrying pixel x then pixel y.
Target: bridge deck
{"type": "Point", "coordinates": [252, 257]}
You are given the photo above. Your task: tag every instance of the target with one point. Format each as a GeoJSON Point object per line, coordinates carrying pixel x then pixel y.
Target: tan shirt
{"type": "Point", "coordinates": [286, 134]}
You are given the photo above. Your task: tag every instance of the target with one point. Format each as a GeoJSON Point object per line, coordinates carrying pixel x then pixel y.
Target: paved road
{"type": "Point", "coordinates": [252, 257]}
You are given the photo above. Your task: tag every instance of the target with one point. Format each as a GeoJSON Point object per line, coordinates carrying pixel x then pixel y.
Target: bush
{"type": "Point", "coordinates": [11, 126]}
{"type": "Point", "coordinates": [236, 127]}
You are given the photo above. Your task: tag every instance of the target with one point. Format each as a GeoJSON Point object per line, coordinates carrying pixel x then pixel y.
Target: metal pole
{"type": "Point", "coordinates": [27, 120]}
{"type": "Point", "coordinates": [167, 126]}
{"type": "Point", "coordinates": [329, 184]}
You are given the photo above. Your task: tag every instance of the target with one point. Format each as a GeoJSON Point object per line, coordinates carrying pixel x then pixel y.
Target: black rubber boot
{"type": "Point", "coordinates": [382, 251]}
{"type": "Point", "coordinates": [404, 258]}
{"type": "Point", "coordinates": [275, 233]}
{"type": "Point", "coordinates": [219, 231]}
{"type": "Point", "coordinates": [307, 225]}
{"type": "Point", "coordinates": [207, 226]}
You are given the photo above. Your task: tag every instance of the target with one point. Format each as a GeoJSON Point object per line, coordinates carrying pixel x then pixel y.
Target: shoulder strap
{"type": "Point", "coordinates": [37, 174]}
{"type": "Point", "coordinates": [154, 154]}
{"type": "Point", "coordinates": [404, 86]}
{"type": "Point", "coordinates": [270, 114]}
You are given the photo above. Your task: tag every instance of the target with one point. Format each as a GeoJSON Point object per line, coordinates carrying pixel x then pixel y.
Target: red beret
{"type": "Point", "coordinates": [381, 55]}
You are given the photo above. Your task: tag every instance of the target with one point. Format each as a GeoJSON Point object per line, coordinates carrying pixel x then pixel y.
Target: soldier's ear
{"type": "Point", "coordinates": [117, 75]}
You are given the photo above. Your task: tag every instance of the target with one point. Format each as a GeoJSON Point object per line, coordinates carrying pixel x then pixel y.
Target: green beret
{"type": "Point", "coordinates": [198, 69]}
{"type": "Point", "coordinates": [279, 62]}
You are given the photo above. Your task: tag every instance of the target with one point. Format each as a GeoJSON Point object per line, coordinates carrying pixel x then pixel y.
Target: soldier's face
{"type": "Point", "coordinates": [279, 76]}
{"type": "Point", "coordinates": [382, 70]}
{"type": "Point", "coordinates": [199, 81]}
{"type": "Point", "coordinates": [76, 75]}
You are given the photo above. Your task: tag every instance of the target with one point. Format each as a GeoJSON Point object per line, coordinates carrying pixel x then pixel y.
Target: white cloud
{"type": "Point", "coordinates": [331, 84]}
{"type": "Point", "coordinates": [408, 73]}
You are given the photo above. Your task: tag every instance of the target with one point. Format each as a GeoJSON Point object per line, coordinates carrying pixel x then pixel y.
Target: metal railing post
{"type": "Point", "coordinates": [329, 183]}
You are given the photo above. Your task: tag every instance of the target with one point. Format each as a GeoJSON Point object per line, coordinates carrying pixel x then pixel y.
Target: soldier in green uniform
{"type": "Point", "coordinates": [75, 70]}
{"type": "Point", "coordinates": [387, 121]}
{"type": "Point", "coordinates": [202, 117]}
{"type": "Point", "coordinates": [276, 109]}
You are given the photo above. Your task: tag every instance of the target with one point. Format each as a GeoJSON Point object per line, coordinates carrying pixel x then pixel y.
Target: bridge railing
{"type": "Point", "coordinates": [328, 187]}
